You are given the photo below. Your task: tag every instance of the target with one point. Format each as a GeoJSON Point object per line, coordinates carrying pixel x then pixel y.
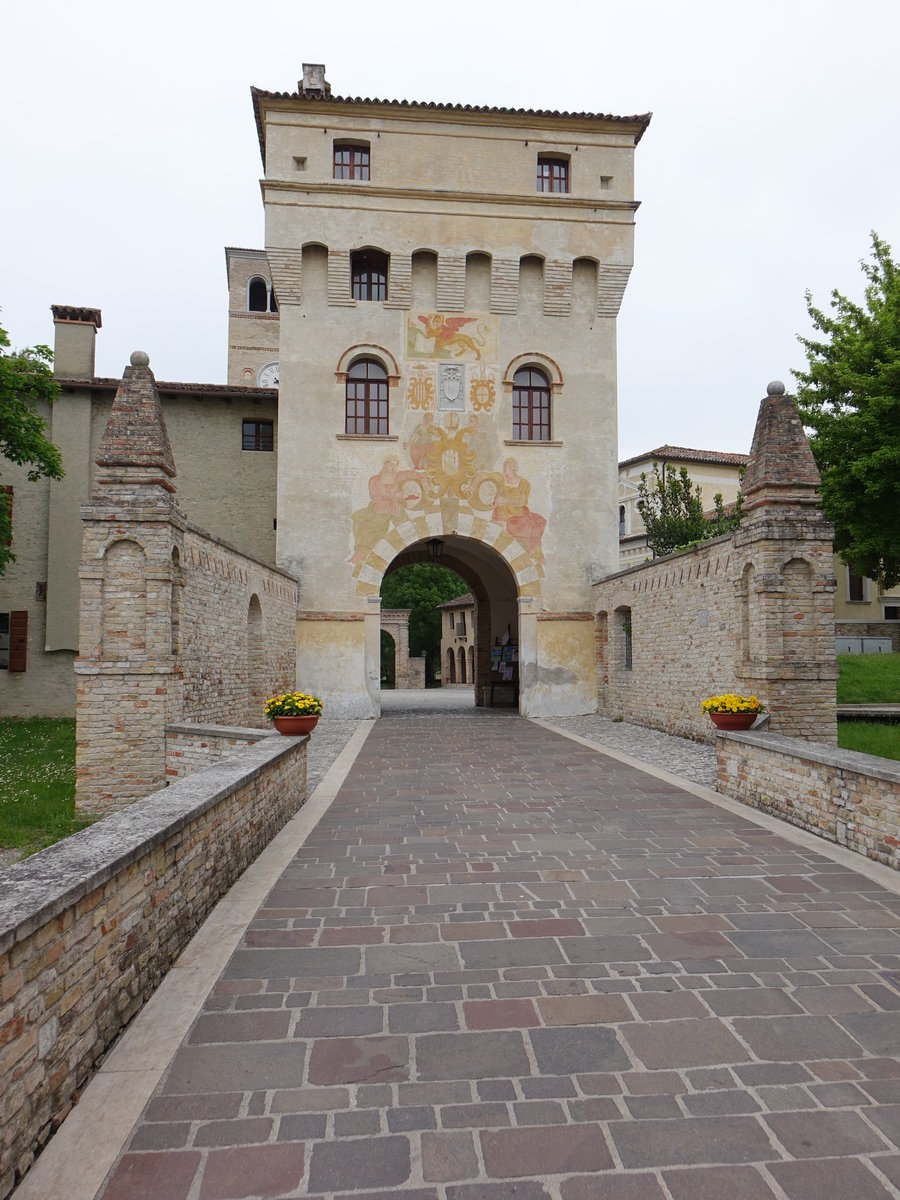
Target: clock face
{"type": "Point", "coordinates": [267, 376]}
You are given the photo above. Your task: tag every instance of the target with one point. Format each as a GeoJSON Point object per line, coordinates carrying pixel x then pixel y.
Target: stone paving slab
{"type": "Point", "coordinates": [504, 965]}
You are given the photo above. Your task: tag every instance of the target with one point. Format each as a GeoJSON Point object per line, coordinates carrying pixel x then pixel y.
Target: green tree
{"type": "Point", "coordinates": [422, 587]}
{"type": "Point", "coordinates": [671, 507]}
{"type": "Point", "coordinates": [850, 398]}
{"type": "Point", "coordinates": [26, 384]}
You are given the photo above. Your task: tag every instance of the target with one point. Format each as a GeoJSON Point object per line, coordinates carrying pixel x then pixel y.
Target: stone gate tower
{"type": "Point", "coordinates": [448, 280]}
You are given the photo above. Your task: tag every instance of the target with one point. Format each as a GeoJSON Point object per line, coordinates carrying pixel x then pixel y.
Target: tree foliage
{"type": "Point", "coordinates": [422, 587]}
{"type": "Point", "coordinates": [671, 507]}
{"type": "Point", "coordinates": [26, 384]}
{"type": "Point", "coordinates": [850, 398]}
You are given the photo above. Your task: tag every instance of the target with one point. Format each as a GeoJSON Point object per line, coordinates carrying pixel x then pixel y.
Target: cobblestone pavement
{"type": "Point", "coordinates": [506, 966]}
{"type": "Point", "coordinates": [676, 754]}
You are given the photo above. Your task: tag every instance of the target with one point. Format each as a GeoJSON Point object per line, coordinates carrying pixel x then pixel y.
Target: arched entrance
{"type": "Point", "coordinates": [490, 660]}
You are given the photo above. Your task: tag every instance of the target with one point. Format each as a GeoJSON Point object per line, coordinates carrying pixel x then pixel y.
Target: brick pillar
{"type": "Point", "coordinates": [127, 682]}
{"type": "Point", "coordinates": [785, 579]}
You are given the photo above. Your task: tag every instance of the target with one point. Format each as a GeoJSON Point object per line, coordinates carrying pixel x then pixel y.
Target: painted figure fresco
{"type": "Point", "coordinates": [511, 508]}
{"type": "Point", "coordinates": [386, 507]}
{"type": "Point", "coordinates": [449, 464]}
{"type": "Point", "coordinates": [460, 338]}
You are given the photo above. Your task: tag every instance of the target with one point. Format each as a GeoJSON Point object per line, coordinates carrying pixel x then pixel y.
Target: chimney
{"type": "Point", "coordinates": [314, 82]}
{"type": "Point", "coordinates": [74, 340]}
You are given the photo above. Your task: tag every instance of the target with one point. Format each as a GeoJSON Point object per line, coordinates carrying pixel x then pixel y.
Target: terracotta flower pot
{"type": "Point", "coordinates": [733, 720]}
{"type": "Point", "coordinates": [294, 726]}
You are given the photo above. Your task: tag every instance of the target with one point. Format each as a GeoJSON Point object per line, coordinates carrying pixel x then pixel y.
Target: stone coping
{"type": "Point", "coordinates": [41, 887]}
{"type": "Point", "coordinates": [252, 733]}
{"type": "Point", "coordinates": [663, 559]}
{"type": "Point", "coordinates": [831, 756]}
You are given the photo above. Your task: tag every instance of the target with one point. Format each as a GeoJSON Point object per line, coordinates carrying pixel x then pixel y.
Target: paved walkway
{"type": "Point", "coordinates": [503, 965]}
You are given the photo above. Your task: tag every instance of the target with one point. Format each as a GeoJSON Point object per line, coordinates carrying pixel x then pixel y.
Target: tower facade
{"type": "Point", "coordinates": [448, 280]}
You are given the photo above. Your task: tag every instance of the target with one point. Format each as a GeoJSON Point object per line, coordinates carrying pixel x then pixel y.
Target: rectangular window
{"type": "Point", "coordinates": [450, 619]}
{"type": "Point", "coordinates": [351, 160]}
{"type": "Point", "coordinates": [258, 435]}
{"type": "Point", "coordinates": [856, 587]}
{"type": "Point", "coordinates": [461, 625]}
{"type": "Point", "coordinates": [14, 641]}
{"type": "Point", "coordinates": [552, 174]}
{"type": "Point", "coordinates": [892, 612]}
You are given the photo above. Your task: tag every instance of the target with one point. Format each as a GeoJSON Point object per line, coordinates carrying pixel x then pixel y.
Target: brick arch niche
{"type": "Point", "coordinates": [499, 603]}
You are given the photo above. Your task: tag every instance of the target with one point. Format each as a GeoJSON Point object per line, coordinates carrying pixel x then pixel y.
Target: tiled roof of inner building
{"type": "Point", "coordinates": [197, 389]}
{"type": "Point", "coordinates": [643, 119]}
{"type": "Point", "coordinates": [458, 602]}
{"type": "Point", "coordinates": [677, 453]}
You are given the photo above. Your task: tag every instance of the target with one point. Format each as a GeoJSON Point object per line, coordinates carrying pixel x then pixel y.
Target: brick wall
{"type": "Point", "coordinates": [89, 927]}
{"type": "Point", "coordinates": [870, 629]}
{"type": "Point", "coordinates": [232, 652]}
{"type": "Point", "coordinates": [849, 798]}
{"type": "Point", "coordinates": [751, 612]}
{"type": "Point", "coordinates": [175, 626]}
{"type": "Point", "coordinates": [728, 616]}
{"type": "Point", "coordinates": [190, 748]}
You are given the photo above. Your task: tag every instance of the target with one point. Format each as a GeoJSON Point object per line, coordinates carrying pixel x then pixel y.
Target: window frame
{"type": "Point", "coordinates": [553, 174]}
{"type": "Point", "coordinates": [256, 436]}
{"type": "Point", "coordinates": [360, 171]}
{"type": "Point", "coordinates": [369, 389]}
{"type": "Point", "coordinates": [369, 270]}
{"type": "Point", "coordinates": [523, 401]}
{"type": "Point", "coordinates": [856, 583]}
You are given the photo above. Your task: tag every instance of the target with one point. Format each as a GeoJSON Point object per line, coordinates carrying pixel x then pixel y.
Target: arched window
{"type": "Point", "coordinates": [368, 275]}
{"type": "Point", "coordinates": [531, 406]}
{"type": "Point", "coordinates": [621, 520]}
{"type": "Point", "coordinates": [366, 397]}
{"type": "Point", "coordinates": [258, 295]}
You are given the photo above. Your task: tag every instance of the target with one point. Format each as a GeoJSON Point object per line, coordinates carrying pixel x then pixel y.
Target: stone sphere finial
{"type": "Point", "coordinates": [140, 358]}
{"type": "Point", "coordinates": [775, 388]}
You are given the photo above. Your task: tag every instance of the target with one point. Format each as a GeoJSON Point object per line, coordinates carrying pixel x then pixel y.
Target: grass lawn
{"type": "Point", "coordinates": [868, 679]}
{"type": "Point", "coordinates": [870, 737]}
{"type": "Point", "coordinates": [37, 783]}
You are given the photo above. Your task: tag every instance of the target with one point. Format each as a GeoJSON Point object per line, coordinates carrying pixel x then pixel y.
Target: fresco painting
{"type": "Point", "coordinates": [420, 388]}
{"type": "Point", "coordinates": [461, 338]}
{"type": "Point", "coordinates": [449, 461]}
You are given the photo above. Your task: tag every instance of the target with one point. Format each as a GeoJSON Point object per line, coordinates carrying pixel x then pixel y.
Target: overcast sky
{"type": "Point", "coordinates": [130, 159]}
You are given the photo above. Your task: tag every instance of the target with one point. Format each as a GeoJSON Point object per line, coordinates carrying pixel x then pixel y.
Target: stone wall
{"type": "Point", "coordinates": [236, 641]}
{"type": "Point", "coordinates": [870, 629]}
{"type": "Point", "coordinates": [190, 748]}
{"type": "Point", "coordinates": [175, 624]}
{"type": "Point", "coordinates": [849, 798]}
{"type": "Point", "coordinates": [89, 927]}
{"type": "Point", "coordinates": [751, 612]}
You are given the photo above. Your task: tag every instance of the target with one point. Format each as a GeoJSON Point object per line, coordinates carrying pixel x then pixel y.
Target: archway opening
{"type": "Point", "coordinates": [475, 639]}
{"type": "Point", "coordinates": [388, 671]}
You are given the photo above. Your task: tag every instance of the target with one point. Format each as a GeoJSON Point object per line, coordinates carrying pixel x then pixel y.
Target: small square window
{"type": "Point", "coordinates": [552, 173]}
{"type": "Point", "coordinates": [258, 435]}
{"type": "Point", "coordinates": [351, 160]}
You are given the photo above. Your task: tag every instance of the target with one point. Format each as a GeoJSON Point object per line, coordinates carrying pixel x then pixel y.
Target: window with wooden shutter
{"type": "Point", "coordinates": [18, 640]}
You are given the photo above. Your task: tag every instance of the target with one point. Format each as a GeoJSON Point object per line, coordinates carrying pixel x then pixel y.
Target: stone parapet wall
{"type": "Point", "coordinates": [849, 798]}
{"type": "Point", "coordinates": [191, 748]}
{"type": "Point", "coordinates": [89, 927]}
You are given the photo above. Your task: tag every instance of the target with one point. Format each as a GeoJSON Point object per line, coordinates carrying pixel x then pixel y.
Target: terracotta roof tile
{"type": "Point", "coordinates": [679, 453]}
{"type": "Point", "coordinates": [425, 106]}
